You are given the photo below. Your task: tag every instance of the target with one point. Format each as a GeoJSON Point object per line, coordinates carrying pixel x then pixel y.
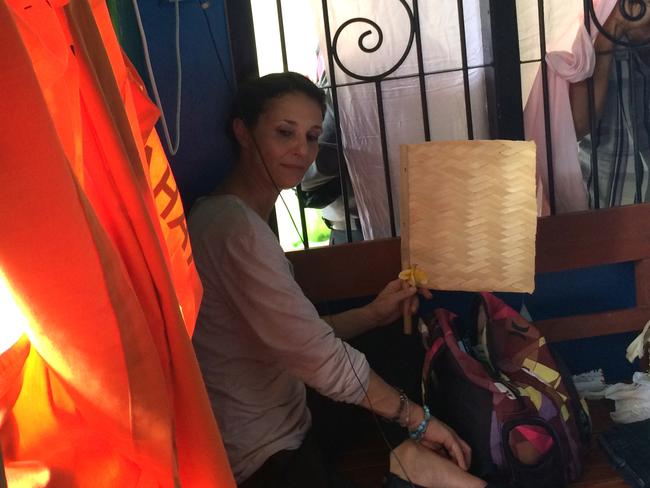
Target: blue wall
{"type": "Point", "coordinates": [586, 291]}
{"type": "Point", "coordinates": [204, 156]}
{"type": "Point", "coordinates": [582, 291]}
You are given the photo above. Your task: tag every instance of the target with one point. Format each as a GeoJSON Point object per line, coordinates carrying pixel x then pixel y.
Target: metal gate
{"type": "Point", "coordinates": [502, 70]}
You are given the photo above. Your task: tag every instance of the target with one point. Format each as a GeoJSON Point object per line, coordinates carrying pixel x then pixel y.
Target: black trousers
{"type": "Point", "coordinates": [299, 468]}
{"type": "Point", "coordinates": [306, 467]}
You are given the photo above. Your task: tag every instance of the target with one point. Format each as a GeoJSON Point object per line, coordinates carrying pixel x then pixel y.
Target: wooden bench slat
{"type": "Point", "coordinates": [604, 323]}
{"type": "Point", "coordinates": [563, 242]}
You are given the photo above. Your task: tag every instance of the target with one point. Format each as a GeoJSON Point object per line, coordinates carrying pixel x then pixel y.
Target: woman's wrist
{"type": "Point", "coordinates": [416, 416]}
{"type": "Point", "coordinates": [403, 408]}
{"type": "Point", "coordinates": [370, 316]}
{"type": "Point", "coordinates": [417, 431]}
{"type": "Point", "coordinates": [408, 414]}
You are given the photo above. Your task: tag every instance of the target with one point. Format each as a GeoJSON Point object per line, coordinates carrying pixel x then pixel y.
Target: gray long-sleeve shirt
{"type": "Point", "coordinates": [258, 339]}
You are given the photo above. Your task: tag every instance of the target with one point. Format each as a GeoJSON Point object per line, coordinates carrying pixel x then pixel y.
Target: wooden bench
{"type": "Point", "coordinates": [366, 462]}
{"type": "Point", "coordinates": [564, 242]}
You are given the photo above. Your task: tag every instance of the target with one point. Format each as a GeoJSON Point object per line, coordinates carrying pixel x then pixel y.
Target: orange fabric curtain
{"type": "Point", "coordinates": [95, 247]}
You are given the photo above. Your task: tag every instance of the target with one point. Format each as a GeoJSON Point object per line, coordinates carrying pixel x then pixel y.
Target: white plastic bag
{"type": "Point", "coordinates": [632, 400]}
{"type": "Point", "coordinates": [590, 385]}
{"type": "Point", "coordinates": [636, 348]}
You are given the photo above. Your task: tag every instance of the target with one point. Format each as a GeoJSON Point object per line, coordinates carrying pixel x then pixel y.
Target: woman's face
{"type": "Point", "coordinates": [286, 135]}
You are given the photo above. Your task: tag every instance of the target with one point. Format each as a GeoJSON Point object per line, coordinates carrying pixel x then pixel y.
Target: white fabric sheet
{"type": "Point", "coordinates": [402, 104]}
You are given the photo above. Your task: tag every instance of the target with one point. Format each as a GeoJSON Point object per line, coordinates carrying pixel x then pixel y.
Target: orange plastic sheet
{"type": "Point", "coordinates": [95, 247]}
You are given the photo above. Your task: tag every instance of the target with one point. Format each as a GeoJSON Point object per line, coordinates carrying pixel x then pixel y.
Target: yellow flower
{"type": "Point", "coordinates": [414, 276]}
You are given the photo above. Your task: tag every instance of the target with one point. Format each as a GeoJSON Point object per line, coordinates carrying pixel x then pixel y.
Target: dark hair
{"type": "Point", "coordinates": [253, 96]}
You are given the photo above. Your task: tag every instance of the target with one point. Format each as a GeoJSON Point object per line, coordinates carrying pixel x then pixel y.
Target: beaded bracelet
{"type": "Point", "coordinates": [418, 433]}
{"type": "Point", "coordinates": [403, 401]}
{"type": "Point", "coordinates": [407, 420]}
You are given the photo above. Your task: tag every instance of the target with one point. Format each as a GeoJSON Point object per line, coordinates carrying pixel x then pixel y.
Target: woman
{"type": "Point", "coordinates": [258, 339]}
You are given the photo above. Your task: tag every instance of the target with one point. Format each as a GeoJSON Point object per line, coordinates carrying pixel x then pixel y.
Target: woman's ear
{"type": "Point", "coordinates": [242, 133]}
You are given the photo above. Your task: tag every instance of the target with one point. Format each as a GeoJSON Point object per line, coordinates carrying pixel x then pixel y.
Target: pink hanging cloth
{"type": "Point", "coordinates": [564, 67]}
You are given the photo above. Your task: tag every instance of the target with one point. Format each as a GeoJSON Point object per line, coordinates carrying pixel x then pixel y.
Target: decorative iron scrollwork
{"type": "Point", "coordinates": [631, 16]}
{"type": "Point", "coordinates": [627, 9]}
{"type": "Point", "coordinates": [371, 49]}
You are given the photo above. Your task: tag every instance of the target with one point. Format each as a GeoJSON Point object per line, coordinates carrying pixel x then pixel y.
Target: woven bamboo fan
{"type": "Point", "coordinates": [469, 214]}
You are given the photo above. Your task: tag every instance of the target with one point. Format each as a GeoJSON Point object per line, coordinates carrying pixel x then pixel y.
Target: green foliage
{"type": "Point", "coordinates": [317, 231]}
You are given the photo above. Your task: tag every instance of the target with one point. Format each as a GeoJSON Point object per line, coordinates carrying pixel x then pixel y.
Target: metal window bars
{"type": "Point", "coordinates": [414, 37]}
{"type": "Point", "coordinates": [626, 8]}
{"type": "Point", "coordinates": [503, 77]}
{"type": "Point", "coordinates": [633, 11]}
{"type": "Point", "coordinates": [377, 79]}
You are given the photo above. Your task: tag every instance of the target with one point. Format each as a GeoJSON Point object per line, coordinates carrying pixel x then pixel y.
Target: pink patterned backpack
{"type": "Point", "coordinates": [494, 380]}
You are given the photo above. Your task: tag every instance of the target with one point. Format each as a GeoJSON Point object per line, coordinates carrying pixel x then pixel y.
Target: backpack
{"type": "Point", "coordinates": [496, 382]}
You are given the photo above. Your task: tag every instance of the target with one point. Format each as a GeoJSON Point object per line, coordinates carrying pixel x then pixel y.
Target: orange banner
{"type": "Point", "coordinates": [94, 245]}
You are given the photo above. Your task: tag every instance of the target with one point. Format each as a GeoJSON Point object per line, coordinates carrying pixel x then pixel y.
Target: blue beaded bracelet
{"type": "Point", "coordinates": [418, 433]}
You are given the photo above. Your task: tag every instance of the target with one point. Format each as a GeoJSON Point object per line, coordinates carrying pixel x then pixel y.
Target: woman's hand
{"type": "Point", "coordinates": [441, 438]}
{"type": "Point", "coordinates": [387, 307]}
{"type": "Point", "coordinates": [437, 436]}
{"type": "Point", "coordinates": [411, 461]}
